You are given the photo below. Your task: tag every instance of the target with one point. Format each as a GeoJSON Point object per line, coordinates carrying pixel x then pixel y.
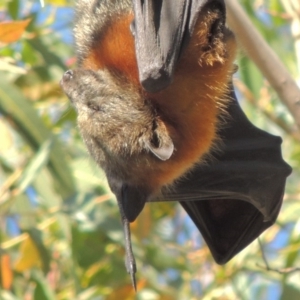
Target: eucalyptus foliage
{"type": "Point", "coordinates": [60, 231]}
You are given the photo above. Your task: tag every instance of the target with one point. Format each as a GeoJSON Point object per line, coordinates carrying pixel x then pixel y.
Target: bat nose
{"type": "Point", "coordinates": [68, 75]}
{"type": "Point", "coordinates": [65, 83]}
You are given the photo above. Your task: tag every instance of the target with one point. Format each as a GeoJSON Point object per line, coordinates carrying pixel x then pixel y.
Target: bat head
{"type": "Point", "coordinates": [119, 126]}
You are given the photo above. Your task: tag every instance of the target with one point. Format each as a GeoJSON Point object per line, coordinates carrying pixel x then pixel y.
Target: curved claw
{"type": "Point", "coordinates": [129, 257]}
{"type": "Point", "coordinates": [131, 269]}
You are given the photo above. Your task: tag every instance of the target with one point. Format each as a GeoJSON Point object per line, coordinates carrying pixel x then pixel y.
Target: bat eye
{"type": "Point", "coordinates": [94, 107]}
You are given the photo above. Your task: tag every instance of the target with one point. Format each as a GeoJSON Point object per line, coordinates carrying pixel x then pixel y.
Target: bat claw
{"type": "Point", "coordinates": [131, 266]}
{"type": "Point", "coordinates": [132, 275]}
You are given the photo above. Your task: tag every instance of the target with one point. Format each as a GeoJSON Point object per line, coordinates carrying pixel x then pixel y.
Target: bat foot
{"type": "Point", "coordinates": [129, 257]}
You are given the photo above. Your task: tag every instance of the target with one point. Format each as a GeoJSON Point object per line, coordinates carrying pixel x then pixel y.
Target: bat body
{"type": "Point", "coordinates": [152, 94]}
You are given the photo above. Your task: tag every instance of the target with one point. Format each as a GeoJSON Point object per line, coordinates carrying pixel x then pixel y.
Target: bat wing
{"type": "Point", "coordinates": [238, 194]}
{"type": "Point", "coordinates": [161, 30]}
{"type": "Point", "coordinates": [233, 198]}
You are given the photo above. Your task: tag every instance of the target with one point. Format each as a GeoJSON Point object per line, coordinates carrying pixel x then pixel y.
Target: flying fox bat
{"type": "Point", "coordinates": [157, 111]}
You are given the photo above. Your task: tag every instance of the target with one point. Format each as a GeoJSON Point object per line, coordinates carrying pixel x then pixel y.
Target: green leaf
{"type": "Point", "coordinates": [290, 292]}
{"type": "Point", "coordinates": [16, 106]}
{"type": "Point", "coordinates": [29, 56]}
{"type": "Point", "coordinates": [13, 8]}
{"type": "Point", "coordinates": [250, 75]}
{"type": "Point", "coordinates": [49, 57]}
{"type": "Point", "coordinates": [20, 205]}
{"type": "Point", "coordinates": [44, 187]}
{"type": "Point", "coordinates": [36, 236]}
{"type": "Point", "coordinates": [42, 290]}
{"type": "Point", "coordinates": [35, 165]}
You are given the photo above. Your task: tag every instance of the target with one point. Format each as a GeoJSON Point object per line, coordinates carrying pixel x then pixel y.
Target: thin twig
{"type": "Point", "coordinates": [20, 238]}
{"type": "Point", "coordinates": [9, 182]}
{"type": "Point", "coordinates": [264, 57]}
{"type": "Point", "coordinates": [276, 270]}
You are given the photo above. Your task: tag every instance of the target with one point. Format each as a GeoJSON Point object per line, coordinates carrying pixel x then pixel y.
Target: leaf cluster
{"type": "Point", "coordinates": [60, 233]}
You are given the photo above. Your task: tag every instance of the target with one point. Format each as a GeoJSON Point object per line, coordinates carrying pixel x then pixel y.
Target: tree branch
{"type": "Point", "coordinates": [267, 266]}
{"type": "Point", "coordinates": [264, 57]}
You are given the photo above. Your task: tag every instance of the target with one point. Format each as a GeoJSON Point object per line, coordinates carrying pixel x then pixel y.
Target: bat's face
{"type": "Point", "coordinates": [103, 108]}
{"type": "Point", "coordinates": [119, 126]}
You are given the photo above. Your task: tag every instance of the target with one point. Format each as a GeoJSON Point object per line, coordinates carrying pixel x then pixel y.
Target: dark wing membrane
{"type": "Point", "coordinates": [237, 195]}
{"type": "Point", "coordinates": [161, 29]}
{"type": "Point", "coordinates": [227, 226]}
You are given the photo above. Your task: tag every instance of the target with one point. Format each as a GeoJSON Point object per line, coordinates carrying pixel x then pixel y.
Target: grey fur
{"type": "Point", "coordinates": [119, 127]}
{"type": "Point", "coordinates": [91, 19]}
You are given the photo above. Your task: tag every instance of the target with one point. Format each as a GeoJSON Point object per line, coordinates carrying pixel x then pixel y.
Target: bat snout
{"type": "Point", "coordinates": [66, 78]}
{"type": "Point", "coordinates": [68, 75]}
{"type": "Point", "coordinates": [66, 83]}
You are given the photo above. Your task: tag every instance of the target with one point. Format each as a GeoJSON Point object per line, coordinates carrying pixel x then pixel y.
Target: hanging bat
{"type": "Point", "coordinates": [157, 111]}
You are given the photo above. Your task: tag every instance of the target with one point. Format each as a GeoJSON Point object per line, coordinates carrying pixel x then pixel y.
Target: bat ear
{"type": "Point", "coordinates": [161, 144]}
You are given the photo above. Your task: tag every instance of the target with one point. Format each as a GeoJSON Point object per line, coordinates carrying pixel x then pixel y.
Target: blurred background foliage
{"type": "Point", "coordinates": [60, 233]}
